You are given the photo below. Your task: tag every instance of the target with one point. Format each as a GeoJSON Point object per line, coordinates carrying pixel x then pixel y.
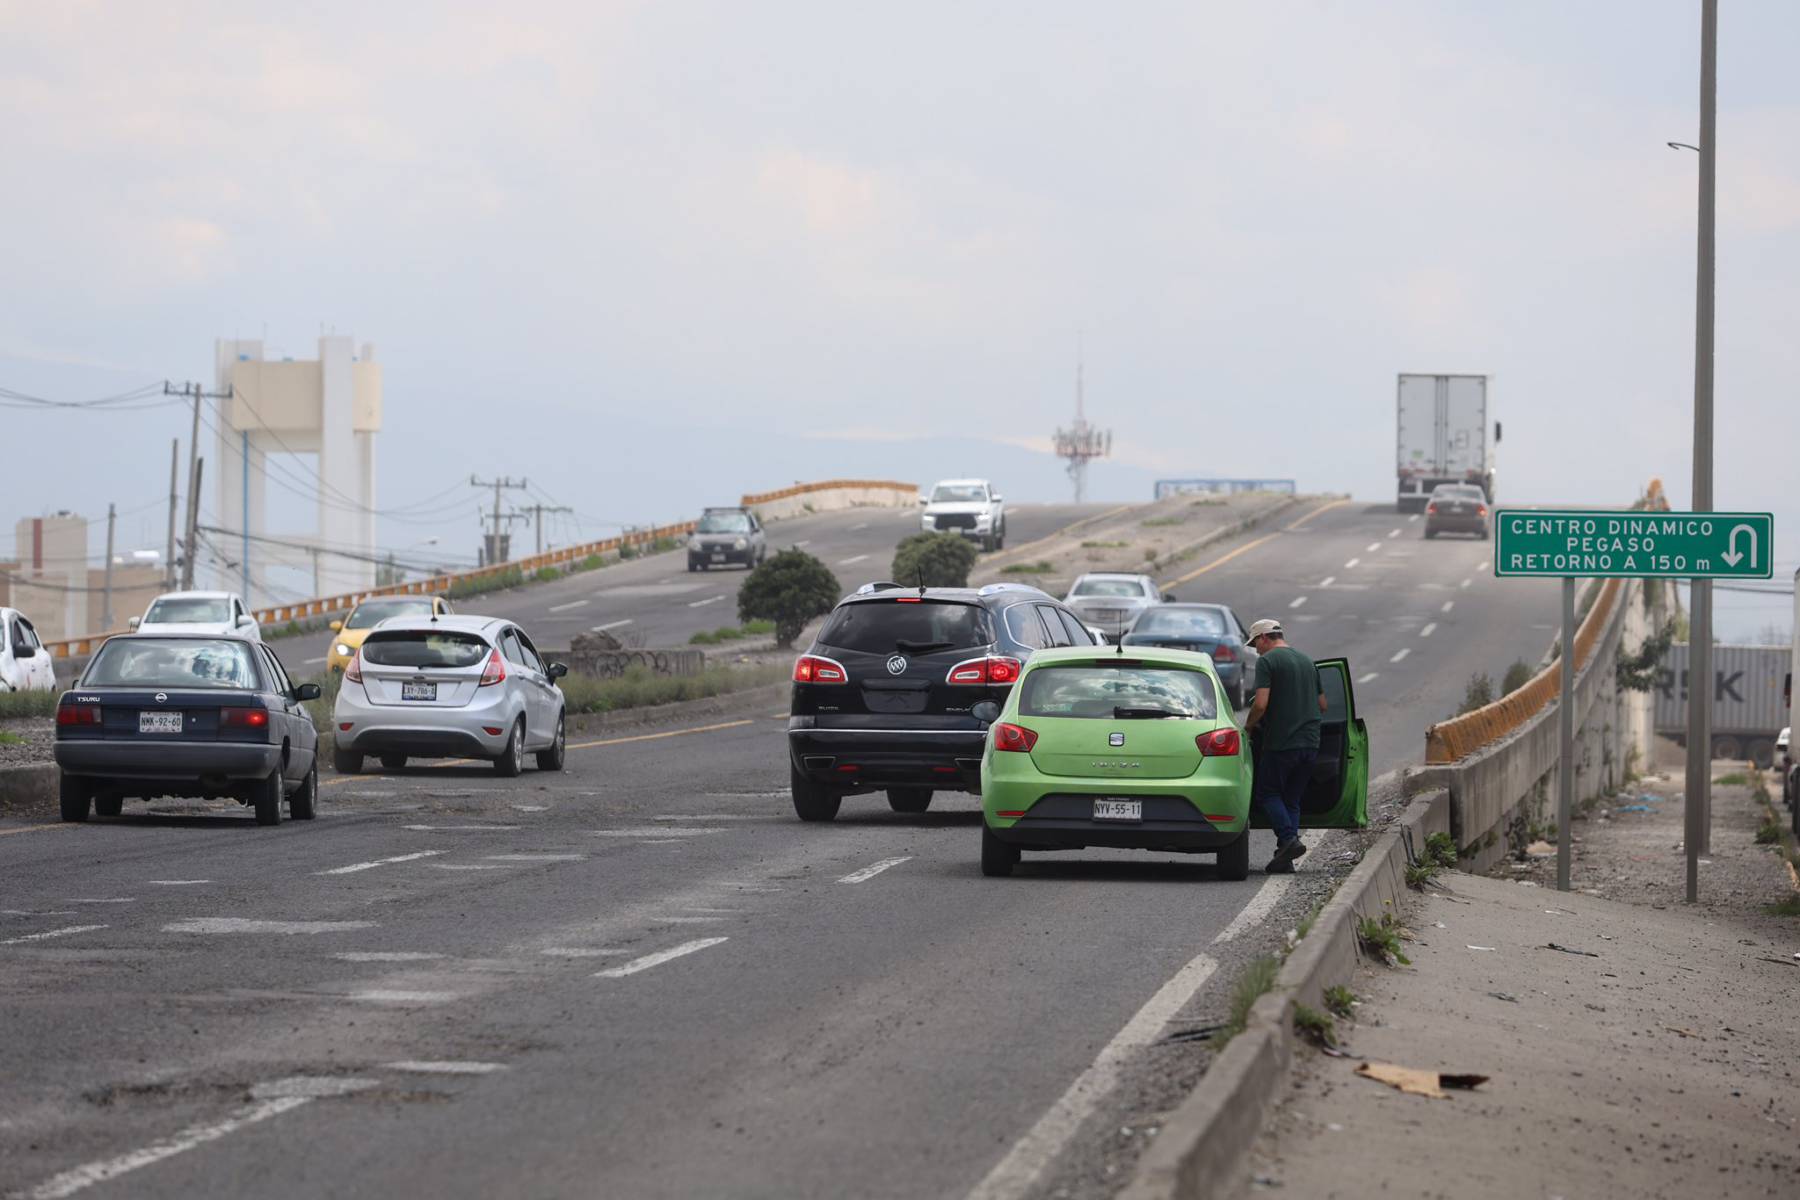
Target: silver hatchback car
{"type": "Point", "coordinates": [449, 687]}
{"type": "Point", "coordinates": [1111, 600]}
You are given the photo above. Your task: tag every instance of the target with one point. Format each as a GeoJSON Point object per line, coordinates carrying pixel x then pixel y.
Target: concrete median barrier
{"type": "Point", "coordinates": [832, 496]}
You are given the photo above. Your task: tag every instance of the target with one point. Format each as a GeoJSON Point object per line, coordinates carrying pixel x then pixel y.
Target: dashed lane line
{"type": "Point", "coordinates": [353, 868]}
{"type": "Point", "coordinates": [1465, 583]}
{"type": "Point", "coordinates": [47, 934]}
{"type": "Point", "coordinates": [461, 828]}
{"type": "Point", "coordinates": [470, 866]}
{"type": "Point", "coordinates": [853, 560]}
{"type": "Point", "coordinates": [1448, 605]}
{"type": "Point", "coordinates": [1297, 602]}
{"type": "Point", "coordinates": [568, 606]}
{"type": "Point", "coordinates": [1351, 564]}
{"type": "Point", "coordinates": [248, 925]}
{"type": "Point", "coordinates": [398, 996]}
{"type": "Point", "coordinates": [537, 858]}
{"type": "Point", "coordinates": [445, 1067]}
{"type": "Point", "coordinates": [1328, 581]}
{"type": "Point", "coordinates": [313, 662]}
{"type": "Point", "coordinates": [1430, 628]}
{"type": "Point", "coordinates": [659, 958]}
{"type": "Point", "coordinates": [177, 882]}
{"type": "Point", "coordinates": [1371, 677]}
{"type": "Point", "coordinates": [609, 625]}
{"type": "Point", "coordinates": [102, 900]}
{"type": "Point", "coordinates": [707, 601]}
{"type": "Point", "coordinates": [667, 833]}
{"type": "Point", "coordinates": [874, 869]}
{"type": "Point", "coordinates": [1400, 654]}
{"type": "Point", "coordinates": [388, 956]}
{"type": "Point", "coordinates": [1373, 547]}
{"type": "Point", "coordinates": [1414, 517]}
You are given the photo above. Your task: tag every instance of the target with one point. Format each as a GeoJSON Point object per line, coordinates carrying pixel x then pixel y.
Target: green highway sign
{"type": "Point", "coordinates": [1634, 544]}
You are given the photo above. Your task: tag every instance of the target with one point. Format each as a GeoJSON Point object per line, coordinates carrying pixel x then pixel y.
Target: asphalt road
{"type": "Point", "coordinates": [643, 977]}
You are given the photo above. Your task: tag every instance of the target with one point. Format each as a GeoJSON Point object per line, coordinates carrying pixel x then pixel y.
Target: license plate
{"type": "Point", "coordinates": [418, 691]}
{"type": "Point", "coordinates": [718, 556]}
{"type": "Point", "coordinates": [1118, 810]}
{"type": "Point", "coordinates": [159, 722]}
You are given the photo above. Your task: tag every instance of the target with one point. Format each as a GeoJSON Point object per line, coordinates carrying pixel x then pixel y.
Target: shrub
{"type": "Point", "coordinates": [546, 574]}
{"type": "Point", "coordinates": [1314, 1025]}
{"type": "Point", "coordinates": [731, 633]}
{"type": "Point", "coordinates": [663, 545]}
{"type": "Point", "coordinates": [29, 704]}
{"type": "Point", "coordinates": [1440, 848]}
{"type": "Point", "coordinates": [788, 589]}
{"type": "Point", "coordinates": [1517, 676]}
{"type": "Point", "coordinates": [933, 560]}
{"type": "Point", "coordinates": [464, 588]}
{"type": "Point", "coordinates": [1380, 938]}
{"type": "Point", "coordinates": [1478, 694]}
{"type": "Point", "coordinates": [592, 562]}
{"type": "Point", "coordinates": [1036, 568]}
{"type": "Point", "coordinates": [1339, 999]}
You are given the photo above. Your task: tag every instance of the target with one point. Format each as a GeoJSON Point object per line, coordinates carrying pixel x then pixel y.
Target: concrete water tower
{"type": "Point", "coordinates": [329, 407]}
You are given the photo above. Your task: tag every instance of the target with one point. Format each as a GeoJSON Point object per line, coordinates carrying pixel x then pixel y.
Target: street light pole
{"type": "Point", "coordinates": [1700, 670]}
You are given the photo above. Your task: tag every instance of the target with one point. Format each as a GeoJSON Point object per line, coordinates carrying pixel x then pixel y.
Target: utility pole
{"type": "Point", "coordinates": [106, 611]}
{"type": "Point", "coordinates": [492, 553]}
{"type": "Point", "coordinates": [169, 556]}
{"type": "Point", "coordinates": [191, 548]}
{"type": "Point", "coordinates": [194, 392]}
{"type": "Point", "coordinates": [537, 512]}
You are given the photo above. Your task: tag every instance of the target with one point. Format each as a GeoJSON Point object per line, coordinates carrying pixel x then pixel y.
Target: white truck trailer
{"type": "Point", "coordinates": [1442, 424]}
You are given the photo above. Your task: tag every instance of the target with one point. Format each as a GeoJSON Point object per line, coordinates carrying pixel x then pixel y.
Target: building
{"type": "Point", "coordinates": [54, 583]}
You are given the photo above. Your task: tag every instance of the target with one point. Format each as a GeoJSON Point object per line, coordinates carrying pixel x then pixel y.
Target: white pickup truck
{"type": "Point", "coordinates": [970, 508]}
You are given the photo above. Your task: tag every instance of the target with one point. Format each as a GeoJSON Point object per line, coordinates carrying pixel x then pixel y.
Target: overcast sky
{"type": "Point", "coordinates": [652, 255]}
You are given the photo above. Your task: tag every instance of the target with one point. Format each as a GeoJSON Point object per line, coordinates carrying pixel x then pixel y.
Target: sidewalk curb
{"type": "Point", "coordinates": [1204, 1144]}
{"type": "Point", "coordinates": [29, 791]}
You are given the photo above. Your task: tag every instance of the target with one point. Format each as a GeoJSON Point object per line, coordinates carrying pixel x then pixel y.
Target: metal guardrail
{"type": "Point", "coordinates": [281, 613]}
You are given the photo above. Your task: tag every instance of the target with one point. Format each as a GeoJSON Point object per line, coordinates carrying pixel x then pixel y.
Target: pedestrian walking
{"type": "Point", "coordinates": [1286, 711]}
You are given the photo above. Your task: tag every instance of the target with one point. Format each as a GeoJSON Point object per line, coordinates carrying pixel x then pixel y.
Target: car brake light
{"type": "Point", "coordinates": [243, 718]}
{"type": "Point", "coordinates": [1224, 653]}
{"type": "Point", "coordinates": [494, 672]}
{"type": "Point", "coordinates": [1430, 508]}
{"type": "Point", "coordinates": [78, 714]}
{"type": "Point", "coordinates": [353, 672]}
{"type": "Point", "coordinates": [979, 671]}
{"type": "Point", "coordinates": [1481, 510]}
{"type": "Point", "coordinates": [1015, 738]}
{"type": "Point", "coordinates": [812, 668]}
{"type": "Point", "coordinates": [1220, 743]}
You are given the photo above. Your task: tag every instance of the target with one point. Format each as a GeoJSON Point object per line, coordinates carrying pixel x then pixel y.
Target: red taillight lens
{"type": "Point", "coordinates": [78, 714]}
{"type": "Point", "coordinates": [1430, 508]}
{"type": "Point", "coordinates": [983, 671]}
{"type": "Point", "coordinates": [811, 668]}
{"type": "Point", "coordinates": [1224, 653]}
{"type": "Point", "coordinates": [243, 718]}
{"type": "Point", "coordinates": [353, 672]}
{"type": "Point", "coordinates": [1220, 743]}
{"type": "Point", "coordinates": [1481, 510]}
{"type": "Point", "coordinates": [494, 672]}
{"type": "Point", "coordinates": [1014, 738]}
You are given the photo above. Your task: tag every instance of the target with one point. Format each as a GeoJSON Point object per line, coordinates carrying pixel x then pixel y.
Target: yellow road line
{"type": "Point", "coordinates": [1315, 512]}
{"type": "Point", "coordinates": [31, 829]}
{"type": "Point", "coordinates": [652, 737]}
{"type": "Point", "coordinates": [1221, 560]}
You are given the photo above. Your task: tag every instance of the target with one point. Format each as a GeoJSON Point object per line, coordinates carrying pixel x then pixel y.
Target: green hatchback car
{"type": "Point", "coordinates": [1132, 748]}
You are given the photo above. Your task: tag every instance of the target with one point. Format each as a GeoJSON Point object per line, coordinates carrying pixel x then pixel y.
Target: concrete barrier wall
{"type": "Point", "coordinates": [833, 496]}
{"type": "Point", "coordinates": [610, 664]}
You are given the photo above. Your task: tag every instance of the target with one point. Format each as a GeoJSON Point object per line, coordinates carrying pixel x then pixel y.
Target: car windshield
{"type": "Point", "coordinates": [1130, 588]}
{"type": "Point", "coordinates": [187, 610]}
{"type": "Point", "coordinates": [1099, 691]}
{"type": "Point", "coordinates": [1182, 622]}
{"type": "Point", "coordinates": [423, 648]}
{"type": "Point", "coordinates": [724, 523]}
{"type": "Point", "coordinates": [171, 663]}
{"type": "Point", "coordinates": [371, 612]}
{"type": "Point", "coordinates": [959, 493]}
{"type": "Point", "coordinates": [882, 626]}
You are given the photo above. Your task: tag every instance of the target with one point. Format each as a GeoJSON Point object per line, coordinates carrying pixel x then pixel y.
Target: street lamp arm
{"type": "Point", "coordinates": [1683, 146]}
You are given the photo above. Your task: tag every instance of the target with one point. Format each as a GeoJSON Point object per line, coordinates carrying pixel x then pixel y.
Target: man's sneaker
{"type": "Point", "coordinates": [1285, 854]}
{"type": "Point", "coordinates": [1277, 867]}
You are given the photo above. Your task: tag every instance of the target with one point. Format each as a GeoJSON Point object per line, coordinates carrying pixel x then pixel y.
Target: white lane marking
{"type": "Point", "coordinates": [446, 1068]}
{"type": "Point", "coordinates": [705, 602]}
{"type": "Point", "coordinates": [470, 866]}
{"type": "Point", "coordinates": [537, 858]}
{"type": "Point", "coordinates": [1400, 654]}
{"type": "Point", "coordinates": [51, 933]}
{"type": "Point", "coordinates": [1016, 1174]}
{"type": "Point", "coordinates": [176, 882]}
{"type": "Point", "coordinates": [459, 828]}
{"type": "Point", "coordinates": [658, 959]}
{"type": "Point", "coordinates": [727, 816]}
{"type": "Point", "coordinates": [1448, 605]}
{"type": "Point", "coordinates": [874, 869]}
{"type": "Point", "coordinates": [538, 807]}
{"type": "Point", "coordinates": [1265, 899]}
{"type": "Point", "coordinates": [82, 1177]}
{"type": "Point", "coordinates": [853, 560]}
{"type": "Point", "coordinates": [36, 912]}
{"type": "Point", "coordinates": [655, 831]}
{"type": "Point", "coordinates": [109, 900]}
{"type": "Point", "coordinates": [1430, 628]}
{"type": "Point", "coordinates": [1465, 583]}
{"type": "Point", "coordinates": [1298, 601]}
{"type": "Point", "coordinates": [802, 543]}
{"type": "Point", "coordinates": [311, 1087]}
{"type": "Point", "coordinates": [313, 662]}
{"type": "Point", "coordinates": [1370, 677]}
{"type": "Point", "coordinates": [1328, 581]}
{"type": "Point", "coordinates": [388, 956]}
{"type": "Point", "coordinates": [686, 920]}
{"type": "Point", "coordinates": [1485, 566]}
{"type": "Point", "coordinates": [353, 868]}
{"type": "Point", "coordinates": [246, 925]}
{"type": "Point", "coordinates": [662, 842]}
{"type": "Point", "coordinates": [609, 625]}
{"type": "Point", "coordinates": [580, 952]}
{"type": "Point", "coordinates": [392, 996]}
{"type": "Point", "coordinates": [1394, 533]}
{"type": "Point", "coordinates": [1351, 563]}
{"type": "Point", "coordinates": [568, 606]}
{"type": "Point", "coordinates": [1373, 547]}
{"type": "Point", "coordinates": [1414, 517]}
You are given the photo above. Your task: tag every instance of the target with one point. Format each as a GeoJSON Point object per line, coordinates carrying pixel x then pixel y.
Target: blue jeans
{"type": "Point", "coordinates": [1281, 780]}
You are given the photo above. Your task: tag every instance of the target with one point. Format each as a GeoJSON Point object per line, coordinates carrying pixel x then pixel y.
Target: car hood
{"type": "Point", "coordinates": [957, 509]}
{"type": "Point", "coordinates": [351, 637]}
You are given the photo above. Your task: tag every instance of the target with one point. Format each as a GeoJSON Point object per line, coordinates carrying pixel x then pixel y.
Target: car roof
{"type": "Point", "coordinates": [993, 592]}
{"type": "Point", "coordinates": [1109, 575]}
{"type": "Point", "coordinates": [187, 635]}
{"type": "Point", "coordinates": [1102, 654]}
{"type": "Point", "coordinates": [460, 622]}
{"type": "Point", "coordinates": [196, 595]}
{"type": "Point", "coordinates": [1193, 604]}
{"type": "Point", "coordinates": [959, 482]}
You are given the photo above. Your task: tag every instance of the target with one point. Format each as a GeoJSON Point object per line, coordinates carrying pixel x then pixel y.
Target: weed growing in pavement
{"type": "Point", "coordinates": [27, 704]}
{"type": "Point", "coordinates": [1162, 522]}
{"type": "Point", "coordinates": [1381, 939]}
{"type": "Point", "coordinates": [1735, 779]}
{"type": "Point", "coordinates": [1769, 833]}
{"type": "Point", "coordinates": [1441, 849]}
{"type": "Point", "coordinates": [1306, 922]}
{"type": "Point", "coordinates": [1421, 873]}
{"type": "Point", "coordinates": [1257, 979]}
{"type": "Point", "coordinates": [592, 562]}
{"type": "Point", "coordinates": [1036, 568]}
{"type": "Point", "coordinates": [1340, 999]}
{"type": "Point", "coordinates": [1104, 545]}
{"type": "Point", "coordinates": [1317, 1026]}
{"type": "Point", "coordinates": [1789, 907]}
{"type": "Point", "coordinates": [638, 688]}
{"type": "Point", "coordinates": [8, 738]}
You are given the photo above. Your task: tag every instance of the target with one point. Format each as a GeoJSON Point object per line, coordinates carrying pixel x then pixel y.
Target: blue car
{"type": "Point", "coordinates": [1210, 629]}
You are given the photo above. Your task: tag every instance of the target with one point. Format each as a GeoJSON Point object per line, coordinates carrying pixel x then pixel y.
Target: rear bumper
{"type": "Point", "coordinates": [1185, 815]}
{"type": "Point", "coordinates": [424, 732]}
{"type": "Point", "coordinates": [1455, 524]}
{"type": "Point", "coordinates": [168, 761]}
{"type": "Point", "coordinates": [701, 558]}
{"type": "Point", "coordinates": [860, 760]}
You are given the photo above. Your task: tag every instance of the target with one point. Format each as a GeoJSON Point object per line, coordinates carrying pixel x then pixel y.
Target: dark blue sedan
{"type": "Point", "coordinates": [1211, 629]}
{"type": "Point", "coordinates": [187, 715]}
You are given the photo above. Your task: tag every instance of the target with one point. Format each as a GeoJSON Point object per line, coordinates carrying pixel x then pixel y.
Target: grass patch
{"type": "Point", "coordinates": [731, 633]}
{"type": "Point", "coordinates": [592, 562]}
{"type": "Point", "coordinates": [1314, 1025]}
{"type": "Point", "coordinates": [546, 574]}
{"type": "Point", "coordinates": [1382, 939]}
{"type": "Point", "coordinates": [462, 589]}
{"type": "Point", "coordinates": [1306, 922]}
{"type": "Point", "coordinates": [1104, 545]}
{"type": "Point", "coordinates": [8, 738]}
{"type": "Point", "coordinates": [320, 710]}
{"type": "Point", "coordinates": [1784, 908]}
{"type": "Point", "coordinates": [1769, 833]}
{"type": "Point", "coordinates": [638, 688]}
{"type": "Point", "coordinates": [1735, 779]}
{"type": "Point", "coordinates": [1162, 522]}
{"type": "Point", "coordinates": [1440, 848]}
{"type": "Point", "coordinates": [1421, 873]}
{"type": "Point", "coordinates": [1256, 980]}
{"type": "Point", "coordinates": [28, 704]}
{"type": "Point", "coordinates": [1036, 568]}
{"type": "Point", "coordinates": [1340, 999]}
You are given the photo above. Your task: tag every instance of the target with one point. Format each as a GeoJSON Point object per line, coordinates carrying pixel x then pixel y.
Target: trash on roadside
{"type": "Point", "coordinates": [1506, 996]}
{"type": "Point", "coordinates": [1416, 1082]}
{"type": "Point", "coordinates": [1570, 950]}
{"type": "Point", "coordinates": [1540, 850]}
{"type": "Point", "coordinates": [1634, 808]}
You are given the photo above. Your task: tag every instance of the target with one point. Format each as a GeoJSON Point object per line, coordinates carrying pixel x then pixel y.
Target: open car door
{"type": "Point", "coordinates": [1338, 795]}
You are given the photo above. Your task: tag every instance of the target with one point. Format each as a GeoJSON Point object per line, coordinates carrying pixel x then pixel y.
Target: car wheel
{"type": "Point", "coordinates": [552, 759]}
{"type": "Point", "coordinates": [393, 762]}
{"type": "Point", "coordinates": [1430, 533]}
{"type": "Point", "coordinates": [693, 566]}
{"type": "Point", "coordinates": [109, 805]}
{"type": "Point", "coordinates": [512, 759]}
{"type": "Point", "coordinates": [303, 805]}
{"type": "Point", "coordinates": [77, 797]}
{"type": "Point", "coordinates": [1234, 860]}
{"type": "Point", "coordinates": [987, 543]}
{"type": "Point", "coordinates": [812, 802]}
{"type": "Point", "coordinates": [909, 799]}
{"type": "Point", "coordinates": [997, 857]}
{"type": "Point", "coordinates": [266, 798]}
{"type": "Point", "coordinates": [346, 762]}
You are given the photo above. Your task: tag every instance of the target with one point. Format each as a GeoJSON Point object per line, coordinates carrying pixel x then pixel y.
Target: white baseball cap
{"type": "Point", "coordinates": [1267, 627]}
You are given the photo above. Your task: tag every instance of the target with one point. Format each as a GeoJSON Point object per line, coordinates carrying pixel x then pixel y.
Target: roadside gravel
{"type": "Point", "coordinates": [26, 741]}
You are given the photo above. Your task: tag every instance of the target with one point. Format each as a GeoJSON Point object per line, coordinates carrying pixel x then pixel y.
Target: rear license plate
{"type": "Point", "coordinates": [159, 722]}
{"type": "Point", "coordinates": [1118, 810]}
{"type": "Point", "coordinates": [418, 691]}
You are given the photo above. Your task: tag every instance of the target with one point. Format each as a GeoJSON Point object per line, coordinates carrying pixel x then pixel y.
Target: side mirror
{"type": "Point", "coordinates": [245, 621]}
{"type": "Point", "coordinates": [996, 497]}
{"type": "Point", "coordinates": [133, 623]}
{"type": "Point", "coordinates": [335, 626]}
{"type": "Point", "coordinates": [987, 712]}
{"type": "Point", "coordinates": [558, 670]}
{"type": "Point", "coordinates": [923, 500]}
{"type": "Point", "coordinates": [1168, 597]}
{"type": "Point", "coordinates": [307, 691]}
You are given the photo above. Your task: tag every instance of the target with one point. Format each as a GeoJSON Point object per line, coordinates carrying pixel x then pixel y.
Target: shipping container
{"type": "Point", "coordinates": [1749, 699]}
{"type": "Point", "coordinates": [1441, 425]}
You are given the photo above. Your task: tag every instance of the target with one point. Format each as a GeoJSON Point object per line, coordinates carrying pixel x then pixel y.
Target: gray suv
{"type": "Point", "coordinates": [727, 535]}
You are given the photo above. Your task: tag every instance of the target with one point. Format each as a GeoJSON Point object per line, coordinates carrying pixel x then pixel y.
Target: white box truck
{"type": "Point", "coordinates": [1442, 423]}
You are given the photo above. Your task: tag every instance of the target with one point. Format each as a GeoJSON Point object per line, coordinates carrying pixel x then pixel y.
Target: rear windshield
{"type": "Point", "coordinates": [1101, 692]}
{"type": "Point", "coordinates": [1182, 622]}
{"type": "Point", "coordinates": [171, 663]}
{"type": "Point", "coordinates": [372, 612]}
{"type": "Point", "coordinates": [919, 627]}
{"type": "Point", "coordinates": [187, 611]}
{"type": "Point", "coordinates": [1461, 491]}
{"type": "Point", "coordinates": [1109, 587]}
{"type": "Point", "coordinates": [423, 648]}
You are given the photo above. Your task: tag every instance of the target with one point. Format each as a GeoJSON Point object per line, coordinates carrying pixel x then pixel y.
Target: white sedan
{"type": "Point", "coordinates": [199, 612]}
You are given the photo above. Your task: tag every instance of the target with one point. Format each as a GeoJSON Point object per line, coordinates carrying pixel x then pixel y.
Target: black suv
{"type": "Point", "coordinates": [884, 698]}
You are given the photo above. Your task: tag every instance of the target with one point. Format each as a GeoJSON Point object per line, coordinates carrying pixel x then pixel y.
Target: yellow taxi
{"type": "Point", "coordinates": [348, 634]}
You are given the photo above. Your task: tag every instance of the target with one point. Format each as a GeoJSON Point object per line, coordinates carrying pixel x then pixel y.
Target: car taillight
{"type": "Point", "coordinates": [1430, 508]}
{"type": "Point", "coordinates": [981, 671]}
{"type": "Point", "coordinates": [812, 668]}
{"type": "Point", "coordinates": [1014, 738]}
{"type": "Point", "coordinates": [494, 672]}
{"type": "Point", "coordinates": [353, 672]}
{"type": "Point", "coordinates": [243, 718]}
{"type": "Point", "coordinates": [1224, 653]}
{"type": "Point", "coordinates": [1220, 743]}
{"type": "Point", "coordinates": [78, 714]}
{"type": "Point", "coordinates": [1481, 510]}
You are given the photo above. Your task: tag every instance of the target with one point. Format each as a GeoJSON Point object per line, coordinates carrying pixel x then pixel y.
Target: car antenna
{"type": "Point", "coordinates": [921, 581]}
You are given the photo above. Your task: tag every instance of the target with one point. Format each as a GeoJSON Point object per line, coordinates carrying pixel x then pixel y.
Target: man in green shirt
{"type": "Point", "coordinates": [1286, 711]}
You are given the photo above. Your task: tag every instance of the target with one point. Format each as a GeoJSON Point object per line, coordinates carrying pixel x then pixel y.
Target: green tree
{"type": "Point", "coordinates": [1478, 694]}
{"type": "Point", "coordinates": [790, 589]}
{"type": "Point", "coordinates": [937, 559]}
{"type": "Point", "coordinates": [1517, 676]}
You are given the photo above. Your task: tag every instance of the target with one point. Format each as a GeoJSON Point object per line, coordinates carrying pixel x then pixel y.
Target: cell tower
{"type": "Point", "coordinates": [1081, 443]}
